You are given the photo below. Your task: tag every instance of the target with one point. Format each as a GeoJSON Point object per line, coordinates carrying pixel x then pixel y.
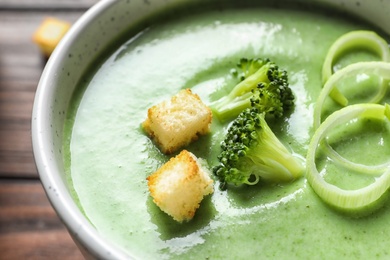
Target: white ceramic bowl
{"type": "Point", "coordinates": [88, 37]}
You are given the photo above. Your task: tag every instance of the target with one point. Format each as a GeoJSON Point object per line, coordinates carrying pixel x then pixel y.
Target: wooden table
{"type": "Point", "coordinates": [29, 227]}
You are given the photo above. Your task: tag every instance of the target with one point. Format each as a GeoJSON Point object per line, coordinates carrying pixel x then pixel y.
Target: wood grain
{"type": "Point", "coordinates": [21, 65]}
{"type": "Point", "coordinates": [29, 227]}
{"type": "Point", "coordinates": [45, 4]}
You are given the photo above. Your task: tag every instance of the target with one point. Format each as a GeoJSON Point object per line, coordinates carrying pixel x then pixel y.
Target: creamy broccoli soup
{"type": "Point", "coordinates": [109, 156]}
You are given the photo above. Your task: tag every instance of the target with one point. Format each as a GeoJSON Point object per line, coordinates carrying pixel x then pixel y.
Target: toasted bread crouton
{"type": "Point", "coordinates": [179, 186]}
{"type": "Point", "coordinates": [49, 34]}
{"type": "Point", "coordinates": [177, 122]}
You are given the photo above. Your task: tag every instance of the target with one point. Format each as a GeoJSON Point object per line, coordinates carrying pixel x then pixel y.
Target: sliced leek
{"type": "Point", "coordinates": [332, 194]}
{"type": "Point", "coordinates": [379, 68]}
{"type": "Point", "coordinates": [353, 40]}
{"type": "Point", "coordinates": [356, 167]}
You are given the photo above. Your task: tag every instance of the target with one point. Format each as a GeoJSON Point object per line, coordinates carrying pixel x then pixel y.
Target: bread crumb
{"type": "Point", "coordinates": [179, 186]}
{"type": "Point", "coordinates": [177, 122]}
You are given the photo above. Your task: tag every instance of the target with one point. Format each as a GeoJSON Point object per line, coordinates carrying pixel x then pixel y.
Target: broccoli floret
{"type": "Point", "coordinates": [251, 152]}
{"type": "Point", "coordinates": [255, 73]}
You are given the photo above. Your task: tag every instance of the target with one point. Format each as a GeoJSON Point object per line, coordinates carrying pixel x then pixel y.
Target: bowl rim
{"type": "Point", "coordinates": [81, 230]}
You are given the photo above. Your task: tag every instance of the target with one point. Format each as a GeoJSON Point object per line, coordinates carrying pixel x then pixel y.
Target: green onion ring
{"type": "Point", "coordinates": [379, 68]}
{"type": "Point", "coordinates": [331, 194]}
{"type": "Point", "coordinates": [356, 39]}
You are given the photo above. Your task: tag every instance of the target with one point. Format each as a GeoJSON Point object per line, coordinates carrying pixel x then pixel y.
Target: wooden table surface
{"type": "Point", "coordinates": [29, 227]}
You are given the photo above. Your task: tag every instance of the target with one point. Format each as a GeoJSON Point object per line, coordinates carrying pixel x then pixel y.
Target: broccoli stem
{"type": "Point", "coordinates": [252, 152]}
{"type": "Point", "coordinates": [239, 98]}
{"type": "Point", "coordinates": [278, 163]}
{"type": "Point", "coordinates": [250, 82]}
{"type": "Point", "coordinates": [229, 107]}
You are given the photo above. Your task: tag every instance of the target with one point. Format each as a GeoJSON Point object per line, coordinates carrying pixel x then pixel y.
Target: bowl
{"type": "Point", "coordinates": [88, 38]}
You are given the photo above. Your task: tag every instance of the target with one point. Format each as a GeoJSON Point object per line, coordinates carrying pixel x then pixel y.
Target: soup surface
{"type": "Point", "coordinates": [109, 157]}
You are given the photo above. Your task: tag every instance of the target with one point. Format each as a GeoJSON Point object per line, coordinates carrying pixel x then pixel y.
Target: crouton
{"type": "Point", "coordinates": [179, 186]}
{"type": "Point", "coordinates": [49, 34]}
{"type": "Point", "coordinates": [177, 122]}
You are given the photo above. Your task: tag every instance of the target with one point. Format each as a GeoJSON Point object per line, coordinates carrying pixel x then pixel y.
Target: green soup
{"type": "Point", "coordinates": [109, 157]}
